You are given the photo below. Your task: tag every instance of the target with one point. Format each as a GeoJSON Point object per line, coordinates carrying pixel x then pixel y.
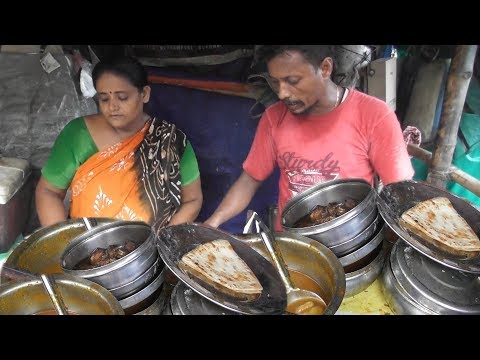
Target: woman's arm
{"type": "Point", "coordinates": [236, 200]}
{"type": "Point", "coordinates": [192, 199]}
{"type": "Point", "coordinates": [49, 203]}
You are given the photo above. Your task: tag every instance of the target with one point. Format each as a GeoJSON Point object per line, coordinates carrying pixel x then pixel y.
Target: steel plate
{"type": "Point", "coordinates": [396, 198]}
{"type": "Point", "coordinates": [175, 241]}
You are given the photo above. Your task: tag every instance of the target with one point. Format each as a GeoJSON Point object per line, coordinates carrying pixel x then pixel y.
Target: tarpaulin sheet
{"type": "Point", "coordinates": [221, 133]}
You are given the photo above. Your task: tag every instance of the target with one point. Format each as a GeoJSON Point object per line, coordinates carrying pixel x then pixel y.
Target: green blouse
{"type": "Point", "coordinates": [74, 145]}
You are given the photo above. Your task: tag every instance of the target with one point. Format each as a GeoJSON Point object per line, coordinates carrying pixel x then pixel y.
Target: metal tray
{"type": "Point", "coordinates": [398, 197]}
{"type": "Point", "coordinates": [175, 241]}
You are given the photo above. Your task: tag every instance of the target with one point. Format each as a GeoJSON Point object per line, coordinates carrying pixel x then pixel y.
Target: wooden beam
{"type": "Point", "coordinates": [459, 76]}
{"type": "Point", "coordinates": [453, 173]}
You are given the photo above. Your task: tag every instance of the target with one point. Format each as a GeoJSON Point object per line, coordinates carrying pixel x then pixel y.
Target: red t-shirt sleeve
{"type": "Point", "coordinates": [388, 151]}
{"type": "Point", "coordinates": [260, 161]}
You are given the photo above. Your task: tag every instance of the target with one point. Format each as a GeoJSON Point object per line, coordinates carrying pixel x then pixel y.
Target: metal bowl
{"type": "Point", "coordinates": [341, 229]}
{"type": "Point", "coordinates": [311, 258]}
{"type": "Point", "coordinates": [142, 300]}
{"type": "Point", "coordinates": [358, 241]}
{"type": "Point", "coordinates": [119, 272]}
{"type": "Point", "coordinates": [41, 251]}
{"type": "Point", "coordinates": [364, 255]}
{"type": "Point", "coordinates": [81, 297]}
{"type": "Point", "coordinates": [359, 280]}
{"type": "Point", "coordinates": [140, 282]}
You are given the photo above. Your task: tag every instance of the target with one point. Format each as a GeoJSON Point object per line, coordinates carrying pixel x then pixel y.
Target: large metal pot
{"type": "Point", "coordinates": [41, 251]}
{"type": "Point", "coordinates": [81, 297]}
{"type": "Point", "coordinates": [359, 280]}
{"type": "Point", "coordinates": [119, 272]}
{"type": "Point", "coordinates": [414, 284]}
{"type": "Point", "coordinates": [339, 230]}
{"type": "Point", "coordinates": [310, 258]}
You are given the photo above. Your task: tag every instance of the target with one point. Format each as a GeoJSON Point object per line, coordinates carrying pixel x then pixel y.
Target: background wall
{"type": "Point", "coordinates": [34, 107]}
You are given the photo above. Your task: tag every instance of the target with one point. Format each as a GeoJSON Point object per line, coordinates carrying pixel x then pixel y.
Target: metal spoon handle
{"type": "Point", "coordinates": [53, 292]}
{"type": "Point", "coordinates": [277, 261]}
{"type": "Point", "coordinates": [272, 247]}
{"type": "Point", "coordinates": [89, 223]}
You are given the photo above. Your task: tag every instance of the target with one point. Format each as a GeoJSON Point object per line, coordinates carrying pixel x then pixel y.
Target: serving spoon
{"type": "Point", "coordinates": [297, 299]}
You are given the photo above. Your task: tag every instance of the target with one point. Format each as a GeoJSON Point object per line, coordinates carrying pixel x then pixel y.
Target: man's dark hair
{"type": "Point", "coordinates": [314, 54]}
{"type": "Point", "coordinates": [127, 67]}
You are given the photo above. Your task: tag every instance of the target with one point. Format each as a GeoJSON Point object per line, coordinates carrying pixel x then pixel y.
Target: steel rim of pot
{"type": "Point", "coordinates": [138, 283]}
{"type": "Point", "coordinates": [144, 293]}
{"type": "Point", "coordinates": [115, 265]}
{"type": "Point", "coordinates": [365, 249]}
{"type": "Point", "coordinates": [87, 286]}
{"type": "Point", "coordinates": [369, 199]}
{"type": "Point", "coordinates": [418, 291]}
{"type": "Point", "coordinates": [358, 241]}
{"type": "Point", "coordinates": [396, 296]}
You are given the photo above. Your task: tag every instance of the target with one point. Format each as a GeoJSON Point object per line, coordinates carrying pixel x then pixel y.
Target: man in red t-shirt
{"type": "Point", "coordinates": [318, 132]}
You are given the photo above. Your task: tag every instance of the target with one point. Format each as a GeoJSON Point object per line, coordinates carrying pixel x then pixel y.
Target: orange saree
{"type": "Point", "coordinates": [136, 179]}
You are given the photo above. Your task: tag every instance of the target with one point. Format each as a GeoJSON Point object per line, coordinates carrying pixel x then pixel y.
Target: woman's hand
{"type": "Point", "coordinates": [192, 199]}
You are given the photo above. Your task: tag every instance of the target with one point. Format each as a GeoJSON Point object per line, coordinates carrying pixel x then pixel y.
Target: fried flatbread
{"type": "Point", "coordinates": [217, 264]}
{"type": "Point", "coordinates": [436, 221]}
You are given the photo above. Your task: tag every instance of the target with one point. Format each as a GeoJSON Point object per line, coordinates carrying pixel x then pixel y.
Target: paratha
{"type": "Point", "coordinates": [436, 221]}
{"type": "Point", "coordinates": [217, 264]}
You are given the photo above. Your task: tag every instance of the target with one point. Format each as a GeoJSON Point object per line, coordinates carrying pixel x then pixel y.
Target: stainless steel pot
{"type": "Point", "coordinates": [359, 280]}
{"type": "Point", "coordinates": [353, 244]}
{"type": "Point", "coordinates": [365, 254]}
{"type": "Point", "coordinates": [140, 282]}
{"type": "Point", "coordinates": [339, 230]}
{"type": "Point", "coordinates": [119, 272]}
{"type": "Point", "coordinates": [311, 258]}
{"type": "Point", "coordinates": [82, 297]}
{"type": "Point", "coordinates": [41, 251]}
{"type": "Point", "coordinates": [414, 284]}
{"type": "Point", "coordinates": [145, 297]}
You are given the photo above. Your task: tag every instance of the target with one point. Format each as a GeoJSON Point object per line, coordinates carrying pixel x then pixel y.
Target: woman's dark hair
{"type": "Point", "coordinates": [127, 67]}
{"type": "Point", "coordinates": [314, 54]}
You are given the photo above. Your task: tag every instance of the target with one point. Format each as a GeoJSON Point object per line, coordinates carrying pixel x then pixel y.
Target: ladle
{"type": "Point", "coordinates": [294, 294]}
{"type": "Point", "coordinates": [48, 282]}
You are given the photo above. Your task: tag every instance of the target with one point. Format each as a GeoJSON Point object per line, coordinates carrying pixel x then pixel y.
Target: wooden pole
{"type": "Point", "coordinates": [457, 85]}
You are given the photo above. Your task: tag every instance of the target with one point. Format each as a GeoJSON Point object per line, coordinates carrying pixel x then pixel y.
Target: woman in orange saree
{"type": "Point", "coordinates": [121, 163]}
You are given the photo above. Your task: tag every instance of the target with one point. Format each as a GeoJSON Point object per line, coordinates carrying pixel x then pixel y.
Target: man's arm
{"type": "Point", "coordinates": [388, 151]}
{"type": "Point", "coordinates": [192, 199]}
{"type": "Point", "coordinates": [235, 201]}
{"type": "Point", "coordinates": [49, 203]}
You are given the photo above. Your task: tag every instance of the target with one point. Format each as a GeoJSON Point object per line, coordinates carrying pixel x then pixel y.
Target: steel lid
{"type": "Point", "coordinates": [437, 287]}
{"type": "Point", "coordinates": [185, 301]}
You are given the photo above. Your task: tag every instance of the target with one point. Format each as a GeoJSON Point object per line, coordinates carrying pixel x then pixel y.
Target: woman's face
{"type": "Point", "coordinates": [120, 102]}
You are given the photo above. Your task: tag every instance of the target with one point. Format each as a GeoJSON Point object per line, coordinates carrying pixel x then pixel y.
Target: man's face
{"type": "Point", "coordinates": [297, 82]}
